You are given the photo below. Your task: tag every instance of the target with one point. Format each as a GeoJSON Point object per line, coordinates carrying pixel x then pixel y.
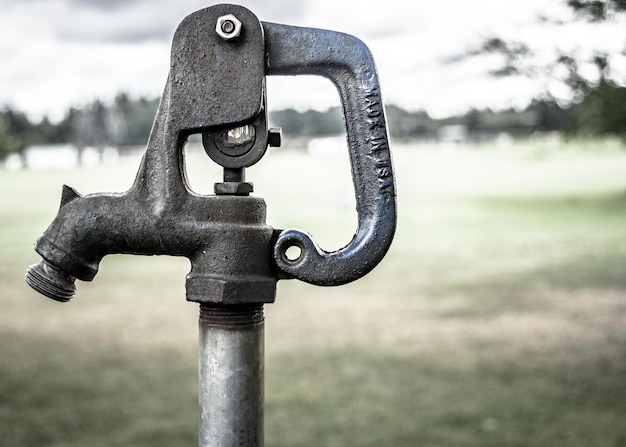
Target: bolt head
{"type": "Point", "coordinates": [228, 27]}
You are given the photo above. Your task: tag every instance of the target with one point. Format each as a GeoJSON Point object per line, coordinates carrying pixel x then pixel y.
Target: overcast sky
{"type": "Point", "coordinates": [57, 53]}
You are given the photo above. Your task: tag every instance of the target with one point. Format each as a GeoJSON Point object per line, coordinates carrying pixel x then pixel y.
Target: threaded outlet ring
{"type": "Point", "coordinates": [50, 281]}
{"type": "Point", "coordinates": [234, 316]}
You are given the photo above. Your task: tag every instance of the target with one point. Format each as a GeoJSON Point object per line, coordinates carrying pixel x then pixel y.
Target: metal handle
{"type": "Point", "coordinates": [347, 62]}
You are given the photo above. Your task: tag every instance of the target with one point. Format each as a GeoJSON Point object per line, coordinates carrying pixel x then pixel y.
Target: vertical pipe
{"type": "Point", "coordinates": [231, 392]}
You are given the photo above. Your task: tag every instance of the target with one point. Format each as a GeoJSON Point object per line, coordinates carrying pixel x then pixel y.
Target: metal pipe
{"type": "Point", "coordinates": [230, 375]}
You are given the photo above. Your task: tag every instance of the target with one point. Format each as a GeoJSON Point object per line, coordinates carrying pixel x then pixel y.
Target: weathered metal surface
{"type": "Point", "coordinates": [225, 237]}
{"type": "Point", "coordinates": [239, 146]}
{"type": "Point", "coordinates": [215, 83]}
{"type": "Point", "coordinates": [216, 86]}
{"type": "Point", "coordinates": [230, 361]}
{"type": "Point", "coordinates": [212, 83]}
{"type": "Point", "coordinates": [347, 62]}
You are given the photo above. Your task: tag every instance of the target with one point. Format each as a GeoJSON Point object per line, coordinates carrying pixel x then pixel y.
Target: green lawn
{"type": "Point", "coordinates": [498, 318]}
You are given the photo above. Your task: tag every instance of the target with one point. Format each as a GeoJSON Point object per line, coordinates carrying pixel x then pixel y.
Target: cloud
{"type": "Point", "coordinates": [104, 5]}
{"type": "Point", "coordinates": [132, 21]}
{"type": "Point", "coordinates": [57, 53]}
{"type": "Point", "coordinates": [96, 26]}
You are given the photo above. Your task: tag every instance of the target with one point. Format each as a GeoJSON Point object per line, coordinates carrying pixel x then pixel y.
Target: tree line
{"type": "Point", "coordinates": [127, 121]}
{"type": "Point", "coordinates": [594, 77]}
{"type": "Point", "coordinates": [124, 122]}
{"type": "Point", "coordinates": [596, 105]}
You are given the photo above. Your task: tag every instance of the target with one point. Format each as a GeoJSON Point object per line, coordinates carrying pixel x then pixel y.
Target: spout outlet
{"type": "Point", "coordinates": [51, 281]}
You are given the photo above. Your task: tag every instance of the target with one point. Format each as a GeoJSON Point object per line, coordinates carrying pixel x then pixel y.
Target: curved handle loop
{"type": "Point", "coordinates": [347, 62]}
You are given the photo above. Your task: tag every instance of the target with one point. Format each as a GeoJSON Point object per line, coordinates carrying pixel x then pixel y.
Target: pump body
{"type": "Point", "coordinates": [216, 86]}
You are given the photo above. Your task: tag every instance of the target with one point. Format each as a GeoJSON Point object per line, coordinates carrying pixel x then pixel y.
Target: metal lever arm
{"type": "Point", "coordinates": [347, 62]}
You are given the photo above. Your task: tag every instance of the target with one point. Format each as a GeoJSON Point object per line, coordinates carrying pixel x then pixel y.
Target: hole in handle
{"type": "Point", "coordinates": [293, 253]}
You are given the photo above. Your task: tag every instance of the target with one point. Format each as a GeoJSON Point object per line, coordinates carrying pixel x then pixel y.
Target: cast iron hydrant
{"type": "Point", "coordinates": [216, 86]}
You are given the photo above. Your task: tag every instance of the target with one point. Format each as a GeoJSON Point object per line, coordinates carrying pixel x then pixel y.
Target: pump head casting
{"type": "Point", "coordinates": [216, 86]}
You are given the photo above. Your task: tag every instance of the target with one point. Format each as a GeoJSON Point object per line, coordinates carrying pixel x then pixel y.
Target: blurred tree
{"type": "Point", "coordinates": [126, 122]}
{"type": "Point", "coordinates": [65, 127]}
{"type": "Point", "coordinates": [288, 119]}
{"type": "Point", "coordinates": [473, 120]}
{"type": "Point", "coordinates": [594, 78]}
{"type": "Point", "coordinates": [402, 123]}
{"type": "Point", "coordinates": [139, 120]}
{"type": "Point", "coordinates": [121, 115]}
{"type": "Point", "coordinates": [130, 121]}
{"type": "Point", "coordinates": [9, 143]}
{"type": "Point", "coordinates": [597, 10]}
{"type": "Point", "coordinates": [552, 117]}
{"type": "Point", "coordinates": [99, 134]}
{"type": "Point", "coordinates": [407, 124]}
{"type": "Point", "coordinates": [309, 123]}
{"type": "Point", "coordinates": [603, 110]}
{"type": "Point", "coordinates": [17, 131]}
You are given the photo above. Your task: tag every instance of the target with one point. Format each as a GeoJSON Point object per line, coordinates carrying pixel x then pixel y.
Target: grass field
{"type": "Point", "coordinates": [497, 319]}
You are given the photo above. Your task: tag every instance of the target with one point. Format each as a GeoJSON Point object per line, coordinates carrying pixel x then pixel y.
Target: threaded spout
{"type": "Point", "coordinates": [51, 282]}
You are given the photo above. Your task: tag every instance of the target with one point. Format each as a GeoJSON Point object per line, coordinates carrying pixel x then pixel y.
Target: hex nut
{"type": "Point", "coordinates": [274, 136]}
{"type": "Point", "coordinates": [233, 188]}
{"type": "Point", "coordinates": [228, 27]}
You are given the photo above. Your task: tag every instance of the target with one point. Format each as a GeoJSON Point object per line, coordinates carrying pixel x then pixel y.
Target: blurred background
{"type": "Point", "coordinates": [497, 318]}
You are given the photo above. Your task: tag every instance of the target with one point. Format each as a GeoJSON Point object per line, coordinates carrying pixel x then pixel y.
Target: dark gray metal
{"type": "Point", "coordinates": [225, 236]}
{"type": "Point", "coordinates": [227, 146]}
{"type": "Point", "coordinates": [160, 215]}
{"type": "Point", "coordinates": [216, 86]}
{"type": "Point", "coordinates": [347, 62]}
{"type": "Point", "coordinates": [216, 82]}
{"type": "Point", "coordinates": [275, 137]}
